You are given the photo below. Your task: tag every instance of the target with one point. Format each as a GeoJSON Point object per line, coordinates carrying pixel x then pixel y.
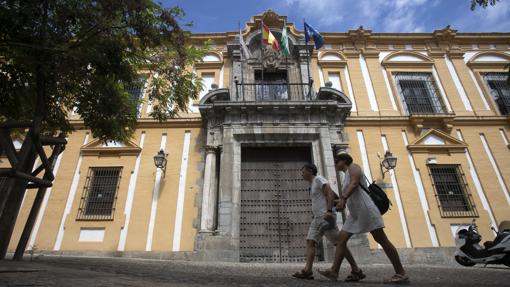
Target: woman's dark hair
{"type": "Point", "coordinates": [343, 157]}
{"type": "Point", "coordinates": [311, 167]}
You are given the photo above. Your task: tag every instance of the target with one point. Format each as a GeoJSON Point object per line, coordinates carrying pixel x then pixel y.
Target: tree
{"type": "Point", "coordinates": [482, 3]}
{"type": "Point", "coordinates": [60, 55]}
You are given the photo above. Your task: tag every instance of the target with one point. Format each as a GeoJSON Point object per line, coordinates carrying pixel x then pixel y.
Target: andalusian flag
{"type": "Point", "coordinates": [285, 40]}
{"type": "Point", "coordinates": [268, 38]}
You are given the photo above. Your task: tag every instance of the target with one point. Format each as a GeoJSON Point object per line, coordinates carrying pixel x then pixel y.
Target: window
{"type": "Point", "coordinates": [499, 90]}
{"type": "Point", "coordinates": [334, 78]}
{"type": "Point", "coordinates": [100, 193]}
{"type": "Point", "coordinates": [419, 93]}
{"type": "Point", "coordinates": [136, 92]}
{"type": "Point", "coordinates": [452, 195]}
{"type": "Point", "coordinates": [271, 86]}
{"type": "Point", "coordinates": [208, 80]}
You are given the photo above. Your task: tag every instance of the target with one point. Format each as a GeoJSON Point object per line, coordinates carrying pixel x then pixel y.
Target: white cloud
{"type": "Point", "coordinates": [495, 18]}
{"type": "Point", "coordinates": [398, 15]}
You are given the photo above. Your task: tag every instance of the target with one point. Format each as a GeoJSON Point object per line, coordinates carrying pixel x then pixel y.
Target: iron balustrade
{"type": "Point", "coordinates": [452, 195]}
{"type": "Point", "coordinates": [273, 91]}
{"type": "Point", "coordinates": [419, 93]}
{"type": "Point", "coordinates": [100, 193]}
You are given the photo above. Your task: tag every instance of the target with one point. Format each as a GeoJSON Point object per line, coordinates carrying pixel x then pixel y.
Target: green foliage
{"type": "Point", "coordinates": [482, 3]}
{"type": "Point", "coordinates": [83, 54]}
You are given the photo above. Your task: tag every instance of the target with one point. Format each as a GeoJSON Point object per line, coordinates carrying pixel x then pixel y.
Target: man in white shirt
{"type": "Point", "coordinates": [323, 223]}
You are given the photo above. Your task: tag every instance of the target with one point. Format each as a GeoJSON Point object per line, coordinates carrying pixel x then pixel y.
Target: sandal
{"type": "Point", "coordinates": [355, 276]}
{"type": "Point", "coordinates": [303, 275]}
{"type": "Point", "coordinates": [328, 274]}
{"type": "Point", "coordinates": [397, 278]}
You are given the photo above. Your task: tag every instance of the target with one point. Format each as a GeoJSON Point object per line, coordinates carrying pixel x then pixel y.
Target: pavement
{"type": "Point", "coordinates": [90, 271]}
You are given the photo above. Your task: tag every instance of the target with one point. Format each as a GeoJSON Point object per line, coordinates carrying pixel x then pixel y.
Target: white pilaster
{"type": "Point", "coordinates": [421, 193]}
{"type": "Point", "coordinates": [155, 196]}
{"type": "Point", "coordinates": [70, 199]}
{"type": "Point", "coordinates": [182, 192]}
{"type": "Point", "coordinates": [129, 198]}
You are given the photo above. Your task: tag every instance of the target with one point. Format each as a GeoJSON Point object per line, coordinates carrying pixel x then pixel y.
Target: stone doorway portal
{"type": "Point", "coordinates": [275, 204]}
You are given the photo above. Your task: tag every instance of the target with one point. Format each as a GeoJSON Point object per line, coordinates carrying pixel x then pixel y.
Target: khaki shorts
{"type": "Point", "coordinates": [316, 231]}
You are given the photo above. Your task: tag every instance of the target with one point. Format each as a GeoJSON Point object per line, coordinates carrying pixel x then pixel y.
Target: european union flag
{"type": "Point", "coordinates": [310, 32]}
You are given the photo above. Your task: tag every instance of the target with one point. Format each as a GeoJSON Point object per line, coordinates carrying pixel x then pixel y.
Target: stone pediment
{"type": "Point", "coordinates": [407, 58]}
{"type": "Point", "coordinates": [437, 141]}
{"type": "Point", "coordinates": [98, 147]}
{"type": "Point", "coordinates": [492, 59]}
{"type": "Point", "coordinates": [272, 20]}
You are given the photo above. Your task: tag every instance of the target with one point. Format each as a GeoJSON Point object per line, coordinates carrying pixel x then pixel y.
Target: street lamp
{"type": "Point", "coordinates": [388, 163]}
{"type": "Point", "coordinates": [160, 160]}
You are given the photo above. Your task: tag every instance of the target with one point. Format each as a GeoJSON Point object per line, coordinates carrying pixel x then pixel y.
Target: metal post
{"type": "Point", "coordinates": [308, 67]}
{"type": "Point", "coordinates": [242, 59]}
{"type": "Point", "coordinates": [262, 59]}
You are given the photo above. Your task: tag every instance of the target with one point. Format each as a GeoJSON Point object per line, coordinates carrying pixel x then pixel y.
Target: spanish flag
{"type": "Point", "coordinates": [268, 38]}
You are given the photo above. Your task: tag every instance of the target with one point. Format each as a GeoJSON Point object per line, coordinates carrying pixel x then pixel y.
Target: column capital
{"type": "Point", "coordinates": [211, 149]}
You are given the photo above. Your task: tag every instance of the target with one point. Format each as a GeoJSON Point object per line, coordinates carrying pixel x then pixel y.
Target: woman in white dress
{"type": "Point", "coordinates": [364, 216]}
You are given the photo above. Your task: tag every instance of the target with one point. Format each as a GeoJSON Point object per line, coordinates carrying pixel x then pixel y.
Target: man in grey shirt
{"type": "Point", "coordinates": [323, 223]}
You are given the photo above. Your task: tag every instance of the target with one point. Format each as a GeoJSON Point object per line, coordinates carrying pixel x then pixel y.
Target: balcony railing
{"type": "Point", "coordinates": [270, 91]}
{"type": "Point", "coordinates": [420, 102]}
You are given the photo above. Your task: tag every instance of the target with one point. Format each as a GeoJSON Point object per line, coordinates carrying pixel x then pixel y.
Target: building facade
{"type": "Point", "coordinates": [232, 188]}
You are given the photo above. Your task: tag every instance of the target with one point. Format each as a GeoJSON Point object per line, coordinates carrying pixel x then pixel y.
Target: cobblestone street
{"type": "Point", "coordinates": [76, 272]}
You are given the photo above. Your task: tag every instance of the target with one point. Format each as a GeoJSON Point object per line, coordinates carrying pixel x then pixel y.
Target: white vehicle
{"type": "Point", "coordinates": [469, 252]}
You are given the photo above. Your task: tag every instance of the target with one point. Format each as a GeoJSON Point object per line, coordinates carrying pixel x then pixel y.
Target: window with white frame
{"type": "Point", "coordinates": [419, 93]}
{"type": "Point", "coordinates": [497, 83]}
{"type": "Point", "coordinates": [208, 80]}
{"type": "Point", "coordinates": [334, 78]}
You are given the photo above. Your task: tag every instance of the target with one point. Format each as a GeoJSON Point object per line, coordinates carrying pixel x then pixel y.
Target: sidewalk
{"type": "Point", "coordinates": [77, 272]}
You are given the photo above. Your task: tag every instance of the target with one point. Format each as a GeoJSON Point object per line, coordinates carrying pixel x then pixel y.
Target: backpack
{"type": "Point", "coordinates": [377, 195]}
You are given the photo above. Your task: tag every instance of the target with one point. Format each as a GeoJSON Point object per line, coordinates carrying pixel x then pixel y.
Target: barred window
{"type": "Point", "coordinates": [499, 90]}
{"type": "Point", "coordinates": [136, 91]}
{"type": "Point", "coordinates": [419, 93]}
{"type": "Point", "coordinates": [452, 194]}
{"type": "Point", "coordinates": [100, 193]}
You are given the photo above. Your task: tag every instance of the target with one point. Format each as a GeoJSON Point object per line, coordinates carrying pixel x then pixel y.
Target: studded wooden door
{"type": "Point", "coordinates": [275, 204]}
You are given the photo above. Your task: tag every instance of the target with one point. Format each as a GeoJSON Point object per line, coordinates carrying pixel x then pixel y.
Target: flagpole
{"type": "Point", "coordinates": [308, 64]}
{"type": "Point", "coordinates": [242, 62]}
{"type": "Point", "coordinates": [262, 56]}
{"type": "Point", "coordinates": [287, 59]}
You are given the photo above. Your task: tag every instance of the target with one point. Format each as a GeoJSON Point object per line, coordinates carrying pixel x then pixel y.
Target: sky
{"type": "Point", "coordinates": [343, 15]}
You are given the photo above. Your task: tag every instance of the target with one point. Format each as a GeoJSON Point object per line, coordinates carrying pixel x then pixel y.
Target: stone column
{"type": "Point", "coordinates": [209, 197]}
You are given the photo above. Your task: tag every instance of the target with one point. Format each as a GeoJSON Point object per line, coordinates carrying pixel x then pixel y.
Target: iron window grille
{"type": "Point", "coordinates": [451, 191]}
{"type": "Point", "coordinates": [100, 193]}
{"type": "Point", "coordinates": [136, 91]}
{"type": "Point", "coordinates": [419, 93]}
{"type": "Point", "coordinates": [499, 90]}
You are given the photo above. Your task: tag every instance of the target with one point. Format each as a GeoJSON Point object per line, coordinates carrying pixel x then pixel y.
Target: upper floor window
{"type": "Point", "coordinates": [419, 93]}
{"type": "Point", "coordinates": [136, 91]}
{"type": "Point", "coordinates": [453, 197]}
{"type": "Point", "coordinates": [499, 90]}
{"type": "Point", "coordinates": [100, 193]}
